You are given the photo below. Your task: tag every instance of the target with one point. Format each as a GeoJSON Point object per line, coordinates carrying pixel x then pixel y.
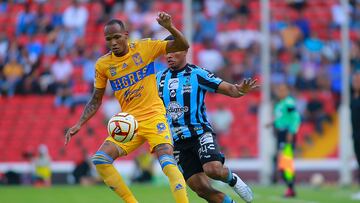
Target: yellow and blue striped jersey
{"type": "Point", "coordinates": [132, 78]}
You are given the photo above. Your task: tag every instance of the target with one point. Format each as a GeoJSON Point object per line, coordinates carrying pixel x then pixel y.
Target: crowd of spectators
{"type": "Point", "coordinates": [54, 51]}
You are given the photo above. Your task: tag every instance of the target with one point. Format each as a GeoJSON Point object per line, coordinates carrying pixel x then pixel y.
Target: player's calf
{"type": "Point", "coordinates": [176, 179]}
{"type": "Point", "coordinates": [215, 170]}
{"type": "Point", "coordinates": [164, 152]}
{"type": "Point", "coordinates": [104, 166]}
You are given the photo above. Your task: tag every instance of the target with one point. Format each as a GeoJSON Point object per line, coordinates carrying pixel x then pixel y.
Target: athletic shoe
{"type": "Point", "coordinates": [242, 189]}
{"type": "Point", "coordinates": [290, 193]}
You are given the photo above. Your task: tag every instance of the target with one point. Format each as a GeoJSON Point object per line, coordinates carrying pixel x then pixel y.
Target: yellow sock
{"type": "Point", "coordinates": [176, 179]}
{"type": "Point", "coordinates": [111, 177]}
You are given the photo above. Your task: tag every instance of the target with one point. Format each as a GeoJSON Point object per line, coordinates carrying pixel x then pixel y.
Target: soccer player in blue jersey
{"type": "Point", "coordinates": [182, 88]}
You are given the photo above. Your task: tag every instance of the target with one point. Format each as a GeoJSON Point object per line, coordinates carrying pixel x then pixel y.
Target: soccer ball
{"type": "Point", "coordinates": [122, 127]}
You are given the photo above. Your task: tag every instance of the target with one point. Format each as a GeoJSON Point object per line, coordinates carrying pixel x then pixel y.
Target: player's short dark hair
{"type": "Point", "coordinates": [170, 37]}
{"type": "Point", "coordinates": [114, 22]}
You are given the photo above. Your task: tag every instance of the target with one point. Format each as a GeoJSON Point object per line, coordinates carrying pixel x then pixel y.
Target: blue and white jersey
{"type": "Point", "coordinates": [183, 93]}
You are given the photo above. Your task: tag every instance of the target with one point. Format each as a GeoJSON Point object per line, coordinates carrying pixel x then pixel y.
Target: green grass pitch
{"type": "Point", "coordinates": [161, 194]}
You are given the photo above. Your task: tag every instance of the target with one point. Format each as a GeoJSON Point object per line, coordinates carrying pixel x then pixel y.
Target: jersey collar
{"type": "Point", "coordinates": [179, 70]}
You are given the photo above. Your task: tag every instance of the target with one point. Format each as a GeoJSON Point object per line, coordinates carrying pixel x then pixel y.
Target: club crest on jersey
{"type": "Point", "coordinates": [137, 59]}
{"type": "Point", "coordinates": [161, 127]}
{"type": "Point", "coordinates": [112, 70]}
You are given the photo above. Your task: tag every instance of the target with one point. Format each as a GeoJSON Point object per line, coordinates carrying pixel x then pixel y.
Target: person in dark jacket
{"type": "Point", "coordinates": [355, 120]}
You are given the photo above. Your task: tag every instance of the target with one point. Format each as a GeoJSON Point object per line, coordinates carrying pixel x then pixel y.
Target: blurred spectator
{"type": "Point", "coordinates": [56, 16]}
{"type": "Point", "coordinates": [214, 7]}
{"type": "Point", "coordinates": [313, 44]}
{"type": "Point", "coordinates": [61, 70]}
{"type": "Point", "coordinates": [43, 20]}
{"type": "Point", "coordinates": [12, 178]}
{"type": "Point", "coordinates": [80, 91]}
{"type": "Point", "coordinates": [315, 112]}
{"type": "Point", "coordinates": [210, 58]}
{"type": "Point", "coordinates": [46, 80]}
{"type": "Point", "coordinates": [222, 119]}
{"type": "Point", "coordinates": [298, 5]}
{"type": "Point", "coordinates": [304, 25]}
{"type": "Point", "coordinates": [291, 34]}
{"type": "Point", "coordinates": [4, 45]}
{"type": "Point", "coordinates": [3, 6]}
{"type": "Point", "coordinates": [34, 48]}
{"type": "Point", "coordinates": [42, 167]}
{"type": "Point", "coordinates": [338, 14]}
{"type": "Point", "coordinates": [205, 27]}
{"type": "Point", "coordinates": [84, 172]}
{"type": "Point", "coordinates": [75, 18]}
{"type": "Point", "coordinates": [89, 67]}
{"type": "Point", "coordinates": [51, 47]}
{"type": "Point", "coordinates": [238, 39]}
{"type": "Point", "coordinates": [108, 5]}
{"type": "Point", "coordinates": [144, 168]}
{"type": "Point", "coordinates": [13, 73]}
{"type": "Point", "coordinates": [243, 8]}
{"type": "Point", "coordinates": [355, 56]}
{"type": "Point", "coordinates": [355, 120]}
{"type": "Point", "coordinates": [26, 21]}
{"type": "Point", "coordinates": [355, 17]}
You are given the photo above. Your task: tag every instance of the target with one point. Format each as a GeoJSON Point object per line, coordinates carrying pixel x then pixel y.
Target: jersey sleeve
{"type": "Point", "coordinates": [100, 77]}
{"type": "Point", "coordinates": [157, 47]}
{"type": "Point", "coordinates": [207, 80]}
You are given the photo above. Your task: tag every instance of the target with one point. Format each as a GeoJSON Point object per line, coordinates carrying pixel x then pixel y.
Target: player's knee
{"type": "Point", "coordinates": [213, 171]}
{"type": "Point", "coordinates": [101, 157]}
{"type": "Point", "coordinates": [166, 160]}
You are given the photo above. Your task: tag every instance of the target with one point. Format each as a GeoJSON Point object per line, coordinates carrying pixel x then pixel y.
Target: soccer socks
{"type": "Point", "coordinates": [111, 176]}
{"type": "Point", "coordinates": [176, 179]}
{"type": "Point", "coordinates": [227, 199]}
{"type": "Point", "coordinates": [231, 179]}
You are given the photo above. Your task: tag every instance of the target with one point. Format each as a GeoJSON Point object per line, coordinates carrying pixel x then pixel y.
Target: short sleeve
{"type": "Point", "coordinates": [207, 80]}
{"type": "Point", "coordinates": [100, 78]}
{"type": "Point", "coordinates": [157, 47]}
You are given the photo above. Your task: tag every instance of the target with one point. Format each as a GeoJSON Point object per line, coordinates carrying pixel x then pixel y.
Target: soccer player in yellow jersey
{"type": "Point", "coordinates": [130, 69]}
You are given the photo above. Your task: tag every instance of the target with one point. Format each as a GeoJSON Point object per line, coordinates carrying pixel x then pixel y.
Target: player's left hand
{"type": "Point", "coordinates": [246, 86]}
{"type": "Point", "coordinates": [164, 20]}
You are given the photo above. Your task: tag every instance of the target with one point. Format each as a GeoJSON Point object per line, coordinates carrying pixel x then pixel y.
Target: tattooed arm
{"type": "Point", "coordinates": [90, 109]}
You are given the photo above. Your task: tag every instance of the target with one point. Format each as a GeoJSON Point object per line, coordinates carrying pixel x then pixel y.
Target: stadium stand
{"type": "Point", "coordinates": [35, 35]}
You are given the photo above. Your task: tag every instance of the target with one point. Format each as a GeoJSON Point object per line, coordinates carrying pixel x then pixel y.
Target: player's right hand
{"type": "Point", "coordinates": [164, 20]}
{"type": "Point", "coordinates": [71, 132]}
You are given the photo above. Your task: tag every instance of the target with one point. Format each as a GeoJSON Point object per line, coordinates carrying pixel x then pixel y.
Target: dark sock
{"type": "Point", "coordinates": [233, 181]}
{"type": "Point", "coordinates": [291, 185]}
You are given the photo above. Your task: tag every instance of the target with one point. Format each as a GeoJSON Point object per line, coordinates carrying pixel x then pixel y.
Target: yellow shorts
{"type": "Point", "coordinates": [154, 130]}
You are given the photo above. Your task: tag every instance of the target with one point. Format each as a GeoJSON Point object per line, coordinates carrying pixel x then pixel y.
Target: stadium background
{"type": "Point", "coordinates": [46, 73]}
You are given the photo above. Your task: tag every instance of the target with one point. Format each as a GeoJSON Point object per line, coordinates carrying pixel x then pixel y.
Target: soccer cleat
{"type": "Point", "coordinates": [290, 193]}
{"type": "Point", "coordinates": [242, 189]}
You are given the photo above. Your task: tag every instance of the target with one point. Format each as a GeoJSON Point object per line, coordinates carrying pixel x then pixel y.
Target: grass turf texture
{"type": "Point", "coordinates": [155, 194]}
